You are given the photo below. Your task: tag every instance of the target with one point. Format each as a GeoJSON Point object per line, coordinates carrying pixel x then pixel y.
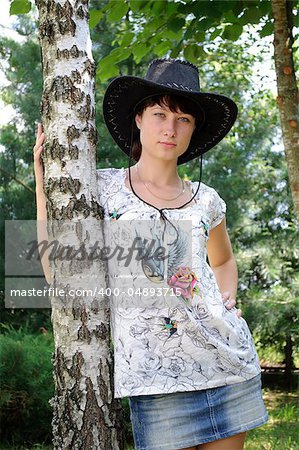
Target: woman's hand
{"type": "Point", "coordinates": [41, 209]}
{"type": "Point", "coordinates": [230, 303]}
{"type": "Point", "coordinates": [38, 163]}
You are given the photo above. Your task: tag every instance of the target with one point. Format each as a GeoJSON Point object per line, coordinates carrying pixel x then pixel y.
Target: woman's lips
{"type": "Point", "coordinates": [168, 144]}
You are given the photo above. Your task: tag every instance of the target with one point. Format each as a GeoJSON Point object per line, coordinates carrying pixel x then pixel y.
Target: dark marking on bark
{"type": "Point", "coordinates": [97, 210]}
{"type": "Point", "coordinates": [84, 333]}
{"type": "Point", "coordinates": [76, 76]}
{"type": "Point", "coordinates": [69, 185]}
{"type": "Point", "coordinates": [64, 89]}
{"type": "Point", "coordinates": [85, 112]}
{"type": "Point", "coordinates": [73, 151]}
{"type": "Point", "coordinates": [73, 52]}
{"type": "Point", "coordinates": [102, 385]}
{"type": "Point", "coordinates": [77, 364]}
{"type": "Point", "coordinates": [45, 108]}
{"type": "Point", "coordinates": [47, 30]}
{"type": "Point", "coordinates": [89, 67]}
{"type": "Point", "coordinates": [66, 212]}
{"type": "Point", "coordinates": [94, 417]}
{"type": "Point", "coordinates": [74, 206]}
{"type": "Point", "coordinates": [101, 331]}
{"type": "Point", "coordinates": [81, 205]}
{"type": "Point", "coordinates": [66, 23]}
{"type": "Point", "coordinates": [57, 150]}
{"type": "Point", "coordinates": [92, 134]}
{"type": "Point", "coordinates": [82, 2]}
{"type": "Point", "coordinates": [81, 13]}
{"type": "Point", "coordinates": [63, 184]}
{"type": "Point", "coordinates": [72, 133]}
{"type": "Point", "coordinates": [76, 309]}
{"type": "Point", "coordinates": [95, 307]}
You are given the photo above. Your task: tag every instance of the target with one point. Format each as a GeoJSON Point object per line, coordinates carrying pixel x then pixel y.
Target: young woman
{"type": "Point", "coordinates": [187, 362]}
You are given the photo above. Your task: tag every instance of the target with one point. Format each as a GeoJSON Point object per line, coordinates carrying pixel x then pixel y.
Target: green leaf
{"type": "Point", "coordinates": [205, 24]}
{"type": "Point", "coordinates": [207, 9]}
{"type": "Point", "coordinates": [232, 32]}
{"type": "Point", "coordinates": [190, 29]}
{"type": "Point", "coordinates": [251, 15]}
{"type": "Point", "coordinates": [172, 8]}
{"type": "Point", "coordinates": [94, 17]}
{"type": "Point", "coordinates": [176, 50]}
{"type": "Point", "coordinates": [118, 9]}
{"type": "Point", "coordinates": [140, 50]}
{"type": "Point", "coordinates": [267, 29]}
{"type": "Point", "coordinates": [108, 65]}
{"type": "Point", "coordinates": [158, 7]}
{"type": "Point", "coordinates": [200, 36]}
{"type": "Point", "coordinates": [107, 71]}
{"type": "Point", "coordinates": [192, 52]}
{"type": "Point", "coordinates": [224, 5]}
{"type": "Point", "coordinates": [161, 49]}
{"type": "Point", "coordinates": [127, 38]}
{"type": "Point", "coordinates": [215, 33]}
{"type": "Point", "coordinates": [138, 5]}
{"type": "Point", "coordinates": [176, 24]}
{"type": "Point", "coordinates": [20, 7]}
{"type": "Point", "coordinates": [230, 17]}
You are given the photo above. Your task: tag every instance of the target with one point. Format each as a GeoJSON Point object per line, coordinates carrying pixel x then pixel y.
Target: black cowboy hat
{"type": "Point", "coordinates": [168, 76]}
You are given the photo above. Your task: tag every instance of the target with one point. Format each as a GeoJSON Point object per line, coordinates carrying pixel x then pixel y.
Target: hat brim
{"type": "Point", "coordinates": [123, 94]}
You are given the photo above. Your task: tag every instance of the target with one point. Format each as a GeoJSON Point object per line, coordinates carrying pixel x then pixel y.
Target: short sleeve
{"type": "Point", "coordinates": [104, 182]}
{"type": "Point", "coordinates": [218, 209]}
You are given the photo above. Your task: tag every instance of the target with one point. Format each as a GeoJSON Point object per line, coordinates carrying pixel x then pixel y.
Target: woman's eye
{"type": "Point", "coordinates": [159, 114]}
{"type": "Point", "coordinates": [184, 119]}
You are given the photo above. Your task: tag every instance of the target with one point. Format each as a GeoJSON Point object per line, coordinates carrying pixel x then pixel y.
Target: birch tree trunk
{"type": "Point", "coordinates": [85, 414]}
{"type": "Point", "coordinates": [287, 91]}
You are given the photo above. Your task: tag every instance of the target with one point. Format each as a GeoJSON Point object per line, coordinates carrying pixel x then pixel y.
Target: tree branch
{"type": "Point", "coordinates": [17, 180]}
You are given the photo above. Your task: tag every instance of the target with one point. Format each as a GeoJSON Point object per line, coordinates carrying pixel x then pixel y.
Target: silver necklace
{"type": "Point", "coordinates": [161, 198]}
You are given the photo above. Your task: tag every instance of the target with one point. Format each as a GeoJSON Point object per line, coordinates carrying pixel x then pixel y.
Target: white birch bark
{"type": "Point", "coordinates": [85, 414]}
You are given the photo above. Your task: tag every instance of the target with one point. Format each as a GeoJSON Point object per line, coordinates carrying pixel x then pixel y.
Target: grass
{"type": "Point", "coordinates": [280, 433]}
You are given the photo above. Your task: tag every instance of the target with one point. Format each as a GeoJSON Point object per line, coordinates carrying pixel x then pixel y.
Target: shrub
{"type": "Point", "coordinates": [26, 386]}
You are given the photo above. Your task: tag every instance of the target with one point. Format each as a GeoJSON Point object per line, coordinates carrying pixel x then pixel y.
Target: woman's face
{"type": "Point", "coordinates": [164, 134]}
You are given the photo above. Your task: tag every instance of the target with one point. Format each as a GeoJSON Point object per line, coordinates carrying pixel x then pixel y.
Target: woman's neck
{"type": "Point", "coordinates": [158, 173]}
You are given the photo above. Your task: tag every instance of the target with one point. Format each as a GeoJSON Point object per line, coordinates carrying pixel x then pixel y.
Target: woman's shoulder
{"type": "Point", "coordinates": [107, 175]}
{"type": "Point", "coordinates": [204, 191]}
{"type": "Point", "coordinates": [212, 203]}
{"type": "Point", "coordinates": [108, 172]}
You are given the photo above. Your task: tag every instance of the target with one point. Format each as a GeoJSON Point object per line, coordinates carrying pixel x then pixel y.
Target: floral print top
{"type": "Point", "coordinates": [185, 339]}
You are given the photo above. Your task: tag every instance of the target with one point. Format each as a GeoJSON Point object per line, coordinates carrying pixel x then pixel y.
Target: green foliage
{"type": "Point", "coordinates": [175, 28]}
{"type": "Point", "coordinates": [26, 386]}
{"type": "Point", "coordinates": [20, 7]}
{"type": "Point", "coordinates": [281, 431]}
{"type": "Point", "coordinates": [22, 69]}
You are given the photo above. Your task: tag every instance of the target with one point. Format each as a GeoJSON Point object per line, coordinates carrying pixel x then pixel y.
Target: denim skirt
{"type": "Point", "coordinates": [186, 419]}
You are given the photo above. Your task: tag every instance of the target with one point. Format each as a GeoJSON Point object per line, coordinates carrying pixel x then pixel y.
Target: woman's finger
{"type": "Point", "coordinates": [229, 304]}
{"type": "Point", "coordinates": [239, 312]}
{"type": "Point", "coordinates": [225, 295]}
{"type": "Point", "coordinates": [39, 144]}
{"type": "Point", "coordinates": [39, 131]}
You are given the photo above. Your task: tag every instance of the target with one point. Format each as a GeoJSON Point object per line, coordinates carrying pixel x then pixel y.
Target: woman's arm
{"type": "Point", "coordinates": [223, 263]}
{"type": "Point", "coordinates": [42, 234]}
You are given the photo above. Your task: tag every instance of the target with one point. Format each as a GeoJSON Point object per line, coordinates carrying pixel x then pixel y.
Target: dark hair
{"type": "Point", "coordinates": [174, 102]}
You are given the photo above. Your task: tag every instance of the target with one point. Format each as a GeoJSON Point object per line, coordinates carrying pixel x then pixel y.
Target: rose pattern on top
{"type": "Point", "coordinates": [184, 283]}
